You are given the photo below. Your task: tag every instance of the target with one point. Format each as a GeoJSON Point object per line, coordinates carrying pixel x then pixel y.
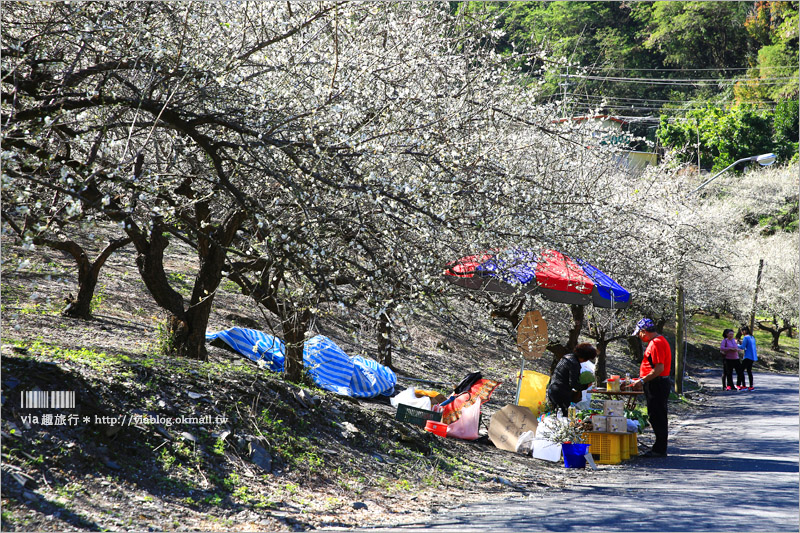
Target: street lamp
{"type": "Point", "coordinates": [764, 160]}
{"type": "Point", "coordinates": [680, 356]}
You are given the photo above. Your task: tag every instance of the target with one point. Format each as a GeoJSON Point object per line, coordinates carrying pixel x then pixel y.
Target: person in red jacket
{"type": "Point", "coordinates": [654, 375]}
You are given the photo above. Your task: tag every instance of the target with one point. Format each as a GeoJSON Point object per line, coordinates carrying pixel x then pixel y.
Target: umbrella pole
{"type": "Point", "coordinates": [519, 381]}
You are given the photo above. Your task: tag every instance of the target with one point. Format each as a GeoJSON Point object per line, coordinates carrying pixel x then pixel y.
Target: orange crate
{"type": "Point", "coordinates": [606, 448]}
{"type": "Point", "coordinates": [634, 444]}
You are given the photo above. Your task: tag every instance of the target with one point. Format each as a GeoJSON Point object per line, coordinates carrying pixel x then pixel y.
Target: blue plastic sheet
{"type": "Point", "coordinates": [327, 364]}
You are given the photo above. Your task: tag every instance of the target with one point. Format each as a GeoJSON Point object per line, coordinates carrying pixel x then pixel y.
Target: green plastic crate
{"type": "Point", "coordinates": [415, 415]}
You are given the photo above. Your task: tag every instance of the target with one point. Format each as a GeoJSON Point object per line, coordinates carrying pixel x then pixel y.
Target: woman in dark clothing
{"type": "Point", "coordinates": [565, 379]}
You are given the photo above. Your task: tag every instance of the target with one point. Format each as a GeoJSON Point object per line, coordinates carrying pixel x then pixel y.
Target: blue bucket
{"type": "Point", "coordinates": [574, 454]}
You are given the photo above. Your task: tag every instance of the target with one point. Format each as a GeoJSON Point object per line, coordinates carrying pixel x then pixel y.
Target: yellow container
{"type": "Point", "coordinates": [625, 447]}
{"type": "Point", "coordinates": [633, 444]}
{"type": "Point", "coordinates": [606, 448]}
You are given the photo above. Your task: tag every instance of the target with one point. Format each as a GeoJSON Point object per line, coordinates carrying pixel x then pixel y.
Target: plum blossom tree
{"type": "Point", "coordinates": [315, 153]}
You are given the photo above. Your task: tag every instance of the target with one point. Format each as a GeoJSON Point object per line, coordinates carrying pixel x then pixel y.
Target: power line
{"type": "Point", "coordinates": [680, 81]}
{"type": "Point", "coordinates": [656, 100]}
{"type": "Point", "coordinates": [684, 69]}
{"type": "Point", "coordinates": [645, 105]}
{"type": "Point", "coordinates": [652, 108]}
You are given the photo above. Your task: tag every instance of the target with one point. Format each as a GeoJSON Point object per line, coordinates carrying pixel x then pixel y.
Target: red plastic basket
{"type": "Point", "coordinates": [437, 428]}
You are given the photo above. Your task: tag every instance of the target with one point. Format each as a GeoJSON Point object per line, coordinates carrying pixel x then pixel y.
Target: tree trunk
{"type": "Point", "coordinates": [776, 338]}
{"type": "Point", "coordinates": [385, 338]}
{"type": "Point", "coordinates": [81, 306]}
{"type": "Point", "coordinates": [600, 372]}
{"type": "Point", "coordinates": [755, 294]}
{"type": "Point", "coordinates": [559, 351]}
{"type": "Point", "coordinates": [775, 332]}
{"type": "Point", "coordinates": [789, 328]}
{"type": "Point", "coordinates": [294, 335]}
{"type": "Point", "coordinates": [294, 321]}
{"type": "Point", "coordinates": [511, 311]}
{"type": "Point", "coordinates": [88, 274]}
{"type": "Point", "coordinates": [186, 327]}
{"type": "Point", "coordinates": [637, 351]}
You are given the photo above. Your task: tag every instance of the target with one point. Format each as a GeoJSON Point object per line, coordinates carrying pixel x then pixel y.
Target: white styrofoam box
{"type": "Point", "coordinates": [613, 408]}
{"type": "Point", "coordinates": [599, 423]}
{"type": "Point", "coordinates": [617, 424]}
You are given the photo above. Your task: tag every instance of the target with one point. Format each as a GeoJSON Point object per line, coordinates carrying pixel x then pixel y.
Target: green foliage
{"type": "Point", "coordinates": [219, 447]}
{"type": "Point", "coordinates": [640, 37]}
{"type": "Point", "coordinates": [711, 34]}
{"type": "Point", "coordinates": [165, 339]}
{"type": "Point", "coordinates": [166, 459]}
{"type": "Point", "coordinates": [786, 126]}
{"type": "Point", "coordinates": [97, 360]}
{"type": "Point", "coordinates": [602, 34]}
{"type": "Point", "coordinates": [783, 219]}
{"type": "Point", "coordinates": [639, 413]}
{"type": "Point", "coordinates": [295, 449]}
{"type": "Point", "coordinates": [706, 329]}
{"type": "Point", "coordinates": [727, 135]}
{"type": "Point", "coordinates": [98, 298]}
{"type": "Point", "coordinates": [774, 27]}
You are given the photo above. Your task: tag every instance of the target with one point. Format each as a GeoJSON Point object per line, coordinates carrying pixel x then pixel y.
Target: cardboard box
{"type": "Point", "coordinates": [613, 408]}
{"type": "Point", "coordinates": [617, 424]}
{"type": "Point", "coordinates": [599, 423]}
{"type": "Point", "coordinates": [508, 424]}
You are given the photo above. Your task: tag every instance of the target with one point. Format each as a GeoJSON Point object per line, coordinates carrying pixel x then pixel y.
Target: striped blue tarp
{"type": "Point", "coordinates": [255, 345]}
{"type": "Point", "coordinates": [327, 364]}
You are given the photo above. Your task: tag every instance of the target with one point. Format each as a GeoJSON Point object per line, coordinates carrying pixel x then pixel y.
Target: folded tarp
{"type": "Point", "coordinates": [255, 345]}
{"type": "Point", "coordinates": [327, 364]}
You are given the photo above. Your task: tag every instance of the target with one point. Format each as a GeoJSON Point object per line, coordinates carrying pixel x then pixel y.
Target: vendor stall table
{"type": "Point", "coordinates": [628, 395]}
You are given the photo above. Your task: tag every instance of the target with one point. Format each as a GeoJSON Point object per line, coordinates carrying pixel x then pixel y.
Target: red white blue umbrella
{"type": "Point", "coordinates": [556, 276]}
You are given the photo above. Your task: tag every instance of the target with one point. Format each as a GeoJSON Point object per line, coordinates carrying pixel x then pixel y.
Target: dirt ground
{"type": "Point", "coordinates": [156, 443]}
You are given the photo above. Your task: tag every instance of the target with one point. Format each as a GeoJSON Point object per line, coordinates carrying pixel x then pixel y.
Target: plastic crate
{"type": "Point", "coordinates": [416, 415]}
{"type": "Point", "coordinates": [633, 444]}
{"type": "Point", "coordinates": [625, 447]}
{"type": "Point", "coordinates": [606, 448]}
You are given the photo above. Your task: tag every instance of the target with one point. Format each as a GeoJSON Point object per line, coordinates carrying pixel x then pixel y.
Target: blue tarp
{"type": "Point", "coordinates": [327, 364]}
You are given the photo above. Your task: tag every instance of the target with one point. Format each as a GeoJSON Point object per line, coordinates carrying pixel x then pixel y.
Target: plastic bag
{"type": "Point", "coordinates": [466, 427]}
{"type": "Point", "coordinates": [533, 390]}
{"type": "Point", "coordinates": [525, 443]}
{"type": "Point", "coordinates": [409, 397]}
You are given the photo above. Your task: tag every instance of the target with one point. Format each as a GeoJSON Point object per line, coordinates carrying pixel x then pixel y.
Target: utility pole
{"type": "Point", "coordinates": [698, 146]}
{"type": "Point", "coordinates": [755, 295]}
{"type": "Point", "coordinates": [680, 345]}
{"type": "Point", "coordinates": [564, 84]}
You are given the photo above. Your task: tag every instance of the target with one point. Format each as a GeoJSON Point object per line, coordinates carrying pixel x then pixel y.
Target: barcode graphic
{"type": "Point", "coordinates": [48, 399]}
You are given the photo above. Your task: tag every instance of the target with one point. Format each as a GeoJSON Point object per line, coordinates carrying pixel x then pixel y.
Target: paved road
{"type": "Point", "coordinates": [732, 468]}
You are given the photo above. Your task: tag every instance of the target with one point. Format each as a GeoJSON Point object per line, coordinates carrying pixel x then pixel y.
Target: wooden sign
{"type": "Point", "coordinates": [532, 335]}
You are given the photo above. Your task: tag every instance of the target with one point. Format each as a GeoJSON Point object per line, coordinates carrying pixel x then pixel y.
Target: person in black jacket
{"type": "Point", "coordinates": [565, 379]}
